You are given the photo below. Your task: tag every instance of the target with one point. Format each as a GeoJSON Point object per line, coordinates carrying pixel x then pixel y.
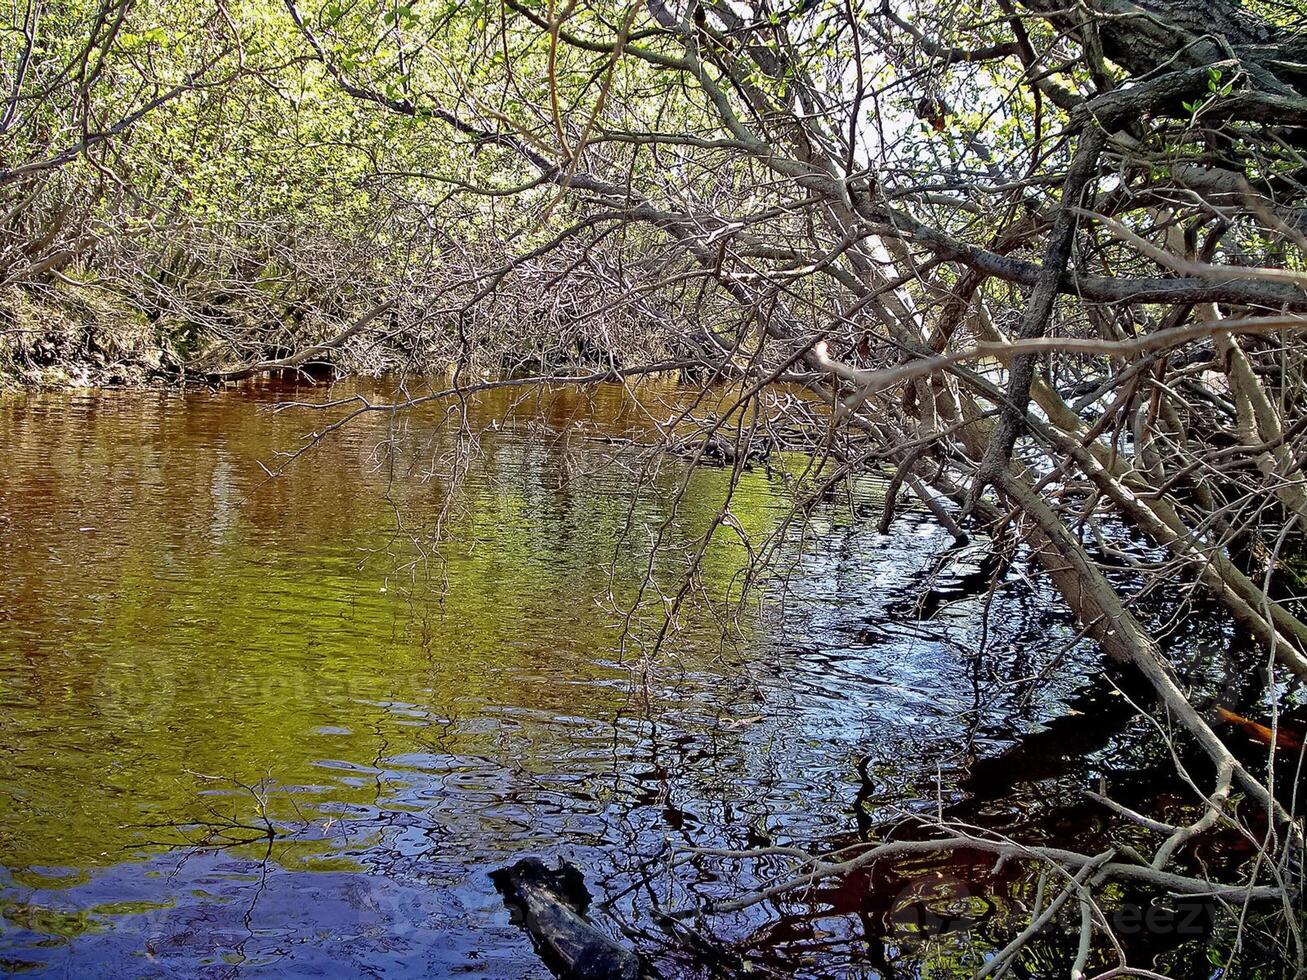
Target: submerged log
{"type": "Point", "coordinates": [550, 904]}
{"type": "Point", "coordinates": [1283, 736]}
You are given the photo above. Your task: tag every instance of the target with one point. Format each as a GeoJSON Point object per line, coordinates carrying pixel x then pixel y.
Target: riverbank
{"type": "Point", "coordinates": [75, 335]}
{"type": "Point", "coordinates": [64, 337]}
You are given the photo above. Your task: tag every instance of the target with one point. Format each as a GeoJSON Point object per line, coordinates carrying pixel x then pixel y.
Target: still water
{"type": "Point", "coordinates": [259, 726]}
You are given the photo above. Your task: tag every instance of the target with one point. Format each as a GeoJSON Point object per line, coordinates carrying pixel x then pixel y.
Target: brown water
{"type": "Point", "coordinates": [253, 726]}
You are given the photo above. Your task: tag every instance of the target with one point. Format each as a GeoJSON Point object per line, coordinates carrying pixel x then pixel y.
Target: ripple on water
{"type": "Point", "coordinates": [226, 653]}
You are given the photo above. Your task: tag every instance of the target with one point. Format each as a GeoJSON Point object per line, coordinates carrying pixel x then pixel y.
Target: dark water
{"type": "Point", "coordinates": [256, 727]}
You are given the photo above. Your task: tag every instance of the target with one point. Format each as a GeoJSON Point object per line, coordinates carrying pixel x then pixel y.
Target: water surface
{"type": "Point", "coordinates": [262, 726]}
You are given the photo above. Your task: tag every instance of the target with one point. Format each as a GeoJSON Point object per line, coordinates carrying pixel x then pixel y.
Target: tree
{"type": "Point", "coordinates": [1044, 262]}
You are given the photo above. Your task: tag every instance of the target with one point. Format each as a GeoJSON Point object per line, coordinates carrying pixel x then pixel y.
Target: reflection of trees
{"type": "Point", "coordinates": [442, 710]}
{"type": "Point", "coordinates": [173, 649]}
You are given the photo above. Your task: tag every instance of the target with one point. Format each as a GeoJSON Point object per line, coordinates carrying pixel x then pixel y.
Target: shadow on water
{"type": "Point", "coordinates": [250, 729]}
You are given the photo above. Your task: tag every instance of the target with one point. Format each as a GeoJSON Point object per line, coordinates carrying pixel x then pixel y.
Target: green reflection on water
{"type": "Point", "coordinates": [182, 638]}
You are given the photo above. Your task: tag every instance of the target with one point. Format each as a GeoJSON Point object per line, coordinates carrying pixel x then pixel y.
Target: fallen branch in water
{"type": "Point", "coordinates": [294, 360]}
{"type": "Point", "coordinates": [1082, 876]}
{"type": "Point", "coordinates": [551, 904]}
{"type": "Point", "coordinates": [822, 869]}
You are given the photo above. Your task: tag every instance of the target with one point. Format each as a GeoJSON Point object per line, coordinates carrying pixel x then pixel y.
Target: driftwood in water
{"type": "Point", "coordinates": [551, 904]}
{"type": "Point", "coordinates": [1284, 736]}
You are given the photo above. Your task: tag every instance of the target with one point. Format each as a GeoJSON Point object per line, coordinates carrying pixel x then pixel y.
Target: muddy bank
{"type": "Point", "coordinates": [90, 336]}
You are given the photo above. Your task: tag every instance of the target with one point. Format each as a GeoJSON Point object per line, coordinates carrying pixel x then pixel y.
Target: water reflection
{"type": "Point", "coordinates": [192, 652]}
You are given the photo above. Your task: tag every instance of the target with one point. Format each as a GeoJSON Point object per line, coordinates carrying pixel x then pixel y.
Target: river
{"type": "Point", "coordinates": [260, 726]}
